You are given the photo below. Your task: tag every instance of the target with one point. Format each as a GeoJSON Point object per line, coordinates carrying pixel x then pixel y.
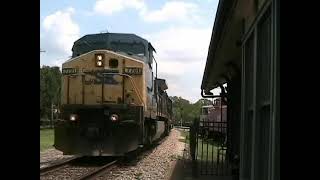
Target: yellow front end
{"type": "Point", "coordinates": [103, 98]}
{"type": "Point", "coordinates": [103, 77]}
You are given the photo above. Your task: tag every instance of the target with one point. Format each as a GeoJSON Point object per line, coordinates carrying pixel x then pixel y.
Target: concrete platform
{"type": "Point", "coordinates": [183, 171]}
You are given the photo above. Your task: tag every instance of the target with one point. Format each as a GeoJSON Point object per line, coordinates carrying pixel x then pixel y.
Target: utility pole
{"type": "Point", "coordinates": [181, 116]}
{"type": "Point", "coordinates": [51, 115]}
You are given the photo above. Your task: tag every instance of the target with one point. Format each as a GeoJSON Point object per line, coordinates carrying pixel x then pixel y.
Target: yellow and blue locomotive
{"type": "Point", "coordinates": [112, 102]}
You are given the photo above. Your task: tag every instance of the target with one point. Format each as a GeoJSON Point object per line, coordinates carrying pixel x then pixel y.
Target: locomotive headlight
{"type": "Point", "coordinates": [73, 117]}
{"type": "Point", "coordinates": [99, 60]}
{"type": "Point", "coordinates": [99, 57]}
{"type": "Point", "coordinates": [114, 117]}
{"type": "Point", "coordinates": [99, 63]}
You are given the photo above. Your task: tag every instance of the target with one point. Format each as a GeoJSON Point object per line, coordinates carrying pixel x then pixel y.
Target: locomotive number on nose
{"type": "Point", "coordinates": [66, 71]}
{"type": "Point", "coordinates": [133, 70]}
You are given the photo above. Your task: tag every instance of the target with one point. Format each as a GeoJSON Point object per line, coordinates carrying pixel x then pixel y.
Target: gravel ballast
{"type": "Point", "coordinates": [51, 156]}
{"type": "Point", "coordinates": [155, 164]}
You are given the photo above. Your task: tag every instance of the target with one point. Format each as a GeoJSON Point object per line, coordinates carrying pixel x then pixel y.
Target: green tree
{"type": "Point", "coordinates": [188, 111]}
{"type": "Point", "coordinates": [50, 86]}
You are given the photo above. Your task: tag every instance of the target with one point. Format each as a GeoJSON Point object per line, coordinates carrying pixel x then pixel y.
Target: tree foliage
{"type": "Point", "coordinates": [185, 110]}
{"type": "Point", "coordinates": [50, 86]}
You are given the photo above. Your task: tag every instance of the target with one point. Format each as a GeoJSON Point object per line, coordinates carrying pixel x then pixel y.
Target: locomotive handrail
{"type": "Point", "coordinates": [133, 84]}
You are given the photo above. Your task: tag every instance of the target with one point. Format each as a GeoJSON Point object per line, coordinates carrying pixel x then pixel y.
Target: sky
{"type": "Point", "coordinates": [180, 31]}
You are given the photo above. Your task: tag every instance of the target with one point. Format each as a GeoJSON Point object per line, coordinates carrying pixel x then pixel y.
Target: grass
{"type": "Point", "coordinates": [207, 150]}
{"type": "Point", "coordinates": [46, 139]}
{"type": "Point", "coordinates": [185, 135]}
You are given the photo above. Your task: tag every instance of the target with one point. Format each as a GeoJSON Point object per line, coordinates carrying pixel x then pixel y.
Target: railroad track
{"type": "Point", "coordinates": [56, 166]}
{"type": "Point", "coordinates": [81, 168]}
{"type": "Point", "coordinates": [98, 171]}
{"type": "Point", "coordinates": [84, 168]}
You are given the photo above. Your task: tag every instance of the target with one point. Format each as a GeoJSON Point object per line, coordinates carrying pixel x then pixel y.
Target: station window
{"type": "Point", "coordinates": [257, 68]}
{"type": "Point", "coordinates": [263, 92]}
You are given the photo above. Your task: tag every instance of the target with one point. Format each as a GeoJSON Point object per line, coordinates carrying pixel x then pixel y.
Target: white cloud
{"type": "Point", "coordinates": [108, 7]}
{"type": "Point", "coordinates": [58, 34]}
{"type": "Point", "coordinates": [172, 11]}
{"type": "Point", "coordinates": [181, 44]}
{"type": "Point", "coordinates": [181, 56]}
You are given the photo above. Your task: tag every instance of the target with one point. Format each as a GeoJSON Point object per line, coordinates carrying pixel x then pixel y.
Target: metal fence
{"type": "Point", "coordinates": [46, 123]}
{"type": "Point", "coordinates": [208, 149]}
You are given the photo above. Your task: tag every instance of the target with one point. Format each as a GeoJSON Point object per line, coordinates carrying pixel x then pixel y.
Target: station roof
{"type": "Point", "coordinates": [223, 50]}
{"type": "Point", "coordinates": [162, 84]}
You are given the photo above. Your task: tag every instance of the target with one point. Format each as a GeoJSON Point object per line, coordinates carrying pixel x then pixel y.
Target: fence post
{"type": "Point", "coordinates": [193, 146]}
{"type": "Point", "coordinates": [51, 124]}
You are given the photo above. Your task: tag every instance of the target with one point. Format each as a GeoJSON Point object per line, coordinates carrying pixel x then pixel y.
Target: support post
{"type": "Point", "coordinates": [51, 124]}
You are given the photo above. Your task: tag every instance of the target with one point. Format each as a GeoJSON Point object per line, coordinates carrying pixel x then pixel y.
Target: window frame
{"type": "Point", "coordinates": [268, 7]}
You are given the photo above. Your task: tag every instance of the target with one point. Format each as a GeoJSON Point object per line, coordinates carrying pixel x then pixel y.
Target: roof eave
{"type": "Point", "coordinates": [222, 11]}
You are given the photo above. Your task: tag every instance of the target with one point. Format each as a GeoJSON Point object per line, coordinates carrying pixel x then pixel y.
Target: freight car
{"type": "Point", "coordinates": [211, 124]}
{"type": "Point", "coordinates": [112, 103]}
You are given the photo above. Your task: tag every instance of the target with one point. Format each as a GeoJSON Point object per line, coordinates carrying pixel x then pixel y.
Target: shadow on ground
{"type": "Point", "coordinates": [183, 171]}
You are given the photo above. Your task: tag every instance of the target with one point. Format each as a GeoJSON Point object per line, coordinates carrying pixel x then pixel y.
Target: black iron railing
{"type": "Point", "coordinates": [208, 149]}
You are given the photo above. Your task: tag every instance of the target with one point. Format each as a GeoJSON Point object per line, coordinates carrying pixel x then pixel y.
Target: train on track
{"type": "Point", "coordinates": [211, 124]}
{"type": "Point", "coordinates": [112, 101]}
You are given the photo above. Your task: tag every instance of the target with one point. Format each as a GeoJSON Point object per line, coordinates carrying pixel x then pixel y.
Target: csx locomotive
{"type": "Point", "coordinates": [112, 101]}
